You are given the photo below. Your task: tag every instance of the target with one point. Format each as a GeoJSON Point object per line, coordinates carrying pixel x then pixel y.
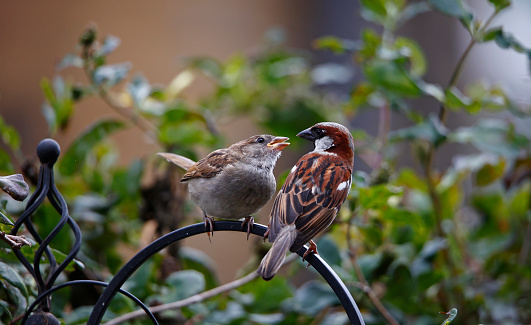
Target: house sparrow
{"type": "Point", "coordinates": [234, 182]}
{"type": "Point", "coordinates": [311, 196]}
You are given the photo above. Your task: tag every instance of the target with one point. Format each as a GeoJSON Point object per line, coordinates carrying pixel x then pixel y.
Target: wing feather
{"type": "Point", "coordinates": [209, 166]}
{"type": "Point", "coordinates": [311, 196]}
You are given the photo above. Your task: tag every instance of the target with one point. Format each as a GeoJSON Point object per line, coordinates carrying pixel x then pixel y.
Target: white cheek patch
{"type": "Point", "coordinates": [323, 143]}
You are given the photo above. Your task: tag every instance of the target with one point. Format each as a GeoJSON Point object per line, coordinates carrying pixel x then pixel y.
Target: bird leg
{"type": "Point", "coordinates": [266, 235]}
{"type": "Point", "coordinates": [249, 221]}
{"type": "Point", "coordinates": [209, 226]}
{"type": "Point", "coordinates": [311, 249]}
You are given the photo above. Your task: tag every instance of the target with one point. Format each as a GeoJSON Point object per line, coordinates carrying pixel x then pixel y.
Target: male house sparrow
{"type": "Point", "coordinates": [312, 194]}
{"type": "Point", "coordinates": [234, 182]}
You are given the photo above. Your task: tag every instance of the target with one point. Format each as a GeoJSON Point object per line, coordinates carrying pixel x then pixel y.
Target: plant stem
{"type": "Point", "coordinates": [364, 284]}
{"type": "Point", "coordinates": [195, 298]}
{"type": "Point", "coordinates": [459, 67]}
{"type": "Point", "coordinates": [127, 112]}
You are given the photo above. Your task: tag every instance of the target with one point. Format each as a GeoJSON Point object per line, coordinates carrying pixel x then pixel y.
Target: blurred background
{"type": "Point", "coordinates": [157, 36]}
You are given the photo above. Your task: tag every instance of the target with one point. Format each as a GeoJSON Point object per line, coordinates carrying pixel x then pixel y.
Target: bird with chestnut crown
{"type": "Point", "coordinates": [310, 199]}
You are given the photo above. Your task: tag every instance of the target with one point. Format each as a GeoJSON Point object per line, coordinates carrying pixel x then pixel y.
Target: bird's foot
{"type": "Point", "coordinates": [266, 235]}
{"type": "Point", "coordinates": [249, 221]}
{"type": "Point", "coordinates": [209, 226]}
{"type": "Point", "coordinates": [311, 249]}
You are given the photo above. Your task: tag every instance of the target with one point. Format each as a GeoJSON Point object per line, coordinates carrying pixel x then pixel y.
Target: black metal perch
{"type": "Point", "coordinates": [128, 269]}
{"type": "Point", "coordinates": [48, 151]}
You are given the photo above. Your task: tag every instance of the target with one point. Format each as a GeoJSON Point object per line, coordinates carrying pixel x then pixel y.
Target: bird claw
{"type": "Point", "coordinates": [249, 221]}
{"type": "Point", "coordinates": [209, 226]}
{"type": "Point", "coordinates": [311, 249]}
{"type": "Point", "coordinates": [266, 235]}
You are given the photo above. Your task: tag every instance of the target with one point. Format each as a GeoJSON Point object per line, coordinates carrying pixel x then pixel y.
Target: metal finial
{"type": "Point", "coordinates": [48, 151]}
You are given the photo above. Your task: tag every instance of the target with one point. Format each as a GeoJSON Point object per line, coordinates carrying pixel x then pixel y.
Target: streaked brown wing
{"type": "Point", "coordinates": [311, 195]}
{"type": "Point", "coordinates": [209, 166]}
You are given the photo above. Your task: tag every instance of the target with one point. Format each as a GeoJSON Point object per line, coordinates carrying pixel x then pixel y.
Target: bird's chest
{"type": "Point", "coordinates": [234, 193]}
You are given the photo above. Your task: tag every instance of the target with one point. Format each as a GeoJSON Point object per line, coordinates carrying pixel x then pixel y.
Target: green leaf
{"type": "Point", "coordinates": [374, 10]}
{"type": "Point", "coordinates": [335, 44]}
{"type": "Point", "coordinates": [139, 89]}
{"type": "Point", "coordinates": [184, 284]}
{"type": "Point", "coordinates": [110, 43]}
{"type": "Point", "coordinates": [4, 309]}
{"type": "Point", "coordinates": [490, 172]}
{"type": "Point", "coordinates": [70, 60]}
{"type": "Point", "coordinates": [208, 66]}
{"type": "Point", "coordinates": [9, 135]}
{"type": "Point", "coordinates": [59, 104]}
{"type": "Point", "coordinates": [5, 220]}
{"type": "Point", "coordinates": [195, 259]}
{"type": "Point", "coordinates": [492, 135]}
{"type": "Point", "coordinates": [412, 10]}
{"type": "Point", "coordinates": [268, 295]}
{"type": "Point", "coordinates": [15, 186]}
{"type": "Point", "coordinates": [453, 8]}
{"type": "Point", "coordinates": [112, 74]}
{"type": "Point", "coordinates": [75, 156]}
{"type": "Point", "coordinates": [431, 130]}
{"type": "Point", "coordinates": [423, 261]}
{"type": "Point", "coordinates": [410, 49]}
{"type": "Point", "coordinates": [329, 251]}
{"type": "Point", "coordinates": [392, 77]}
{"type": "Point", "coordinates": [500, 4]}
{"type": "Point", "coordinates": [314, 296]}
{"type": "Point", "coordinates": [8, 274]}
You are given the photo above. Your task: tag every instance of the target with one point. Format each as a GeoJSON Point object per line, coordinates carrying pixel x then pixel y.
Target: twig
{"type": "Point", "coordinates": [146, 126]}
{"type": "Point", "coordinates": [364, 284]}
{"type": "Point", "coordinates": [196, 298]}
{"type": "Point", "coordinates": [458, 68]}
{"type": "Point", "coordinates": [16, 242]}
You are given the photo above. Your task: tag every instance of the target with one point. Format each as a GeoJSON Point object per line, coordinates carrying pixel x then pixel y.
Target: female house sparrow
{"type": "Point", "coordinates": [234, 182]}
{"type": "Point", "coordinates": [312, 194]}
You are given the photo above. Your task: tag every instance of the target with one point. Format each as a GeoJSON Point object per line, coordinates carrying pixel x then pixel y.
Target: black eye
{"type": "Point", "coordinates": [319, 132]}
{"type": "Point", "coordinates": [260, 140]}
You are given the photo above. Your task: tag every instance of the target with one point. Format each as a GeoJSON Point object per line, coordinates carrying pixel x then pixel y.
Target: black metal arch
{"type": "Point", "coordinates": [134, 263]}
{"type": "Point", "coordinates": [48, 292]}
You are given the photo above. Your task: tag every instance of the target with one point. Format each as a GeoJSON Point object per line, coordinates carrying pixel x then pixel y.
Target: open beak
{"type": "Point", "coordinates": [278, 143]}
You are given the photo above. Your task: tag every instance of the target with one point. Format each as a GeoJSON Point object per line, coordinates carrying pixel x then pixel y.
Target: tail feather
{"type": "Point", "coordinates": [183, 162]}
{"type": "Point", "coordinates": [273, 260]}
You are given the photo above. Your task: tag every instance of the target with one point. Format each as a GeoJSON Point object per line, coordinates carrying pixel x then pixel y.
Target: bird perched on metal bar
{"type": "Point", "coordinates": [310, 198]}
{"type": "Point", "coordinates": [234, 182]}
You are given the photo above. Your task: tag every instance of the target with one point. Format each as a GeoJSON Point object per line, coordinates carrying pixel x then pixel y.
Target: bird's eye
{"type": "Point", "coordinates": [260, 140]}
{"type": "Point", "coordinates": [319, 132]}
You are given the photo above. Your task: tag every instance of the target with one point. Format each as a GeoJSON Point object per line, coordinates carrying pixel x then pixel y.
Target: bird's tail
{"type": "Point", "coordinates": [277, 253]}
{"type": "Point", "coordinates": [183, 162]}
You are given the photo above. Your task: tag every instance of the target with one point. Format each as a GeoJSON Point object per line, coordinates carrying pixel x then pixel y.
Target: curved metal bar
{"type": "Point", "coordinates": [134, 263]}
{"type": "Point", "coordinates": [61, 207]}
{"type": "Point", "coordinates": [88, 282]}
{"type": "Point", "coordinates": [48, 151]}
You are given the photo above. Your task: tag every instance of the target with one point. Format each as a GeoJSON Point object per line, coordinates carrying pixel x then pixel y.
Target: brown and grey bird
{"type": "Point", "coordinates": [234, 182]}
{"type": "Point", "coordinates": [309, 200]}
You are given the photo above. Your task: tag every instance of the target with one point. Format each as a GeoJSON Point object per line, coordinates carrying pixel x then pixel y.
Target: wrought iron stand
{"type": "Point", "coordinates": [48, 151]}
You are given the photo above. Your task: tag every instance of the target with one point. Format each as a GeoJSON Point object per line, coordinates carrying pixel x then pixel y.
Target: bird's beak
{"type": "Point", "coordinates": [278, 143]}
{"type": "Point", "coordinates": [442, 312]}
{"type": "Point", "coordinates": [306, 134]}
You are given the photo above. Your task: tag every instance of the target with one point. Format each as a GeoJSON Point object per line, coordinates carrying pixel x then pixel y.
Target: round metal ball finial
{"type": "Point", "coordinates": [48, 151]}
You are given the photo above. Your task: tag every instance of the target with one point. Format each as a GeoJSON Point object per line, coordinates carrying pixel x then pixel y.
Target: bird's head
{"type": "Point", "coordinates": [332, 138]}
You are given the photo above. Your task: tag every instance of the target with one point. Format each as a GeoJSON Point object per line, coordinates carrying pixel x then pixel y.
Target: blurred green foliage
{"type": "Point", "coordinates": [410, 241]}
